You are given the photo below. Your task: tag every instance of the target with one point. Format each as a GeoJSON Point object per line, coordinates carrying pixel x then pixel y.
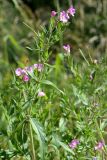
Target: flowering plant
{"type": "Point", "coordinates": [53, 111]}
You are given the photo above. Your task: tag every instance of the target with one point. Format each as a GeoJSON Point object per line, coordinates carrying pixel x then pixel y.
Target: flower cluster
{"type": "Point", "coordinates": [73, 144]}
{"type": "Point", "coordinates": [64, 15]}
{"type": "Point", "coordinates": [41, 94]}
{"type": "Point", "coordinates": [66, 48]}
{"type": "Point", "coordinates": [99, 145]}
{"type": "Point", "coordinates": [28, 70]}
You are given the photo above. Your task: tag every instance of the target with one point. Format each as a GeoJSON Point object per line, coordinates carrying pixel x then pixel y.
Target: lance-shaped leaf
{"type": "Point", "coordinates": [41, 136]}
{"type": "Point", "coordinates": [47, 82]}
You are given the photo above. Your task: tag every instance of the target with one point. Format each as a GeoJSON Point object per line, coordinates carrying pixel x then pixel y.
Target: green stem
{"type": "Point", "coordinates": [32, 144]}
{"type": "Point", "coordinates": [57, 3]}
{"type": "Point", "coordinates": [32, 148]}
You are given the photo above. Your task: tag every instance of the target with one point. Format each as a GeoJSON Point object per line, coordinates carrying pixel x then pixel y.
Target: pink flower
{"type": "Point", "coordinates": [18, 71]}
{"type": "Point", "coordinates": [26, 78]}
{"type": "Point", "coordinates": [64, 17]}
{"type": "Point", "coordinates": [74, 143]}
{"type": "Point", "coordinates": [35, 65]}
{"type": "Point", "coordinates": [24, 71]}
{"type": "Point", "coordinates": [99, 146]}
{"type": "Point", "coordinates": [53, 14]}
{"type": "Point", "coordinates": [29, 69]}
{"type": "Point", "coordinates": [71, 11]}
{"type": "Point", "coordinates": [95, 158]}
{"type": "Point", "coordinates": [41, 94]}
{"type": "Point", "coordinates": [39, 67]}
{"type": "Point", "coordinates": [67, 48]}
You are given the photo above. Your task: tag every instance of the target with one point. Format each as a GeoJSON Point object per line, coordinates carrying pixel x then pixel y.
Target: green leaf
{"type": "Point", "coordinates": [51, 84]}
{"type": "Point", "coordinates": [62, 124]}
{"type": "Point", "coordinates": [81, 97]}
{"type": "Point", "coordinates": [41, 136]}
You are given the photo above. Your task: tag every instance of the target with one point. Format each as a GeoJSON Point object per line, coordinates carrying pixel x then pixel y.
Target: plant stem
{"type": "Point", "coordinates": [32, 144]}
{"type": "Point", "coordinates": [31, 133]}
{"type": "Point", "coordinates": [57, 3]}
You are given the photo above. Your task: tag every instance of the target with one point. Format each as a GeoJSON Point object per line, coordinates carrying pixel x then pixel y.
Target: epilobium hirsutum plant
{"type": "Point", "coordinates": [55, 112]}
